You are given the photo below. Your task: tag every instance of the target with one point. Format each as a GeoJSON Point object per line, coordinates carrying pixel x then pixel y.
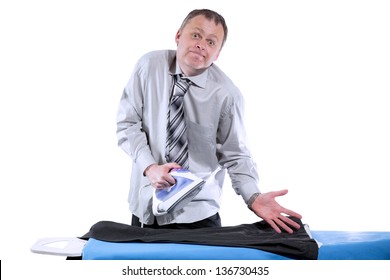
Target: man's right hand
{"type": "Point", "coordinates": [159, 176]}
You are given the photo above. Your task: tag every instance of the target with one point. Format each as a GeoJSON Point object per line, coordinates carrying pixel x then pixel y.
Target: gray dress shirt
{"type": "Point", "coordinates": [216, 135]}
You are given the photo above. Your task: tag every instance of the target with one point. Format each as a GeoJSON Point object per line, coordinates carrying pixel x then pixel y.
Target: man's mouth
{"type": "Point", "coordinates": [197, 53]}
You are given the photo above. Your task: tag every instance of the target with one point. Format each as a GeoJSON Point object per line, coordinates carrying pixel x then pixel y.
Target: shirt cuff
{"type": "Point", "coordinates": [248, 190]}
{"type": "Point", "coordinates": [252, 199]}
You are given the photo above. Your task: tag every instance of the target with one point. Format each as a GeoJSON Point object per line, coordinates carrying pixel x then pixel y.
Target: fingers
{"type": "Point", "coordinates": [293, 214]}
{"type": "Point", "coordinates": [160, 186]}
{"type": "Point", "coordinates": [159, 175]}
{"type": "Point", "coordinates": [291, 223]}
{"type": "Point", "coordinates": [166, 179]}
{"type": "Point", "coordinates": [172, 165]}
{"type": "Point", "coordinates": [163, 182]}
{"type": "Point", "coordinates": [284, 223]}
{"type": "Point", "coordinates": [274, 226]}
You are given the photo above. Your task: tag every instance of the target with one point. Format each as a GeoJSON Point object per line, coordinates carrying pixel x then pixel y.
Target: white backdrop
{"type": "Point", "coordinates": [314, 74]}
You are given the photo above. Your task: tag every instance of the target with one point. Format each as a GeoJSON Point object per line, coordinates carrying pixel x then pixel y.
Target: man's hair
{"type": "Point", "coordinates": [210, 15]}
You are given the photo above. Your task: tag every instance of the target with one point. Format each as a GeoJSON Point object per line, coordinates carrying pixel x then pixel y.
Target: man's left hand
{"type": "Point", "coordinates": [266, 207]}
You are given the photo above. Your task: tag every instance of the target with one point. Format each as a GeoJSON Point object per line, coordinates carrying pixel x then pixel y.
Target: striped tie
{"type": "Point", "coordinates": [176, 149]}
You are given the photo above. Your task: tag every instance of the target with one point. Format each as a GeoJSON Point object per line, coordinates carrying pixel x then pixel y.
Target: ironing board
{"type": "Point", "coordinates": [334, 245]}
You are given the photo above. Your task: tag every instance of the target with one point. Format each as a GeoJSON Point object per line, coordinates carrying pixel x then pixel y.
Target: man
{"type": "Point", "coordinates": [213, 130]}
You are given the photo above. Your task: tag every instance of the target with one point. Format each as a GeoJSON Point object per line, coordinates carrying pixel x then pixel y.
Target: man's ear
{"type": "Point", "coordinates": [177, 37]}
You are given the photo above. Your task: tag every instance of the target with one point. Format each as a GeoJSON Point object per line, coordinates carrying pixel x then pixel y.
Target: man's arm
{"type": "Point", "coordinates": [236, 157]}
{"type": "Point", "coordinates": [131, 136]}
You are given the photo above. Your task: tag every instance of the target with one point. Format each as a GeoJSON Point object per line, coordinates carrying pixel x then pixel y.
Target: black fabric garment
{"type": "Point", "coordinates": [260, 235]}
{"type": "Point", "coordinates": [213, 221]}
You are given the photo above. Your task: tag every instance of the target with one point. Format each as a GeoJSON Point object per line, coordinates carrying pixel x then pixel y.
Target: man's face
{"type": "Point", "coordinates": [198, 45]}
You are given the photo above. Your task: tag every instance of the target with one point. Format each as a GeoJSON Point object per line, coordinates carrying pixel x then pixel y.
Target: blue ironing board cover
{"type": "Point", "coordinates": [335, 245]}
{"type": "Point", "coordinates": [353, 245]}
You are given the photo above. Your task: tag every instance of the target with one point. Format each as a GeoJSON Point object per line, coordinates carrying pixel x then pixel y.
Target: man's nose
{"type": "Point", "coordinates": [200, 45]}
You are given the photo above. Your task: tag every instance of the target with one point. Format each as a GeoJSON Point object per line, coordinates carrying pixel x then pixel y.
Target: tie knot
{"type": "Point", "coordinates": [183, 80]}
{"type": "Point", "coordinates": [181, 85]}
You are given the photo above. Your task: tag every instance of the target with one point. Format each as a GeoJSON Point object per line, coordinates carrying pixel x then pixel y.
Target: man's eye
{"type": "Point", "coordinates": [211, 43]}
{"type": "Point", "coordinates": [195, 35]}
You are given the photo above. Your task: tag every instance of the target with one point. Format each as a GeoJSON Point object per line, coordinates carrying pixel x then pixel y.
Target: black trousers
{"type": "Point", "coordinates": [260, 235]}
{"type": "Point", "coordinates": [213, 221]}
